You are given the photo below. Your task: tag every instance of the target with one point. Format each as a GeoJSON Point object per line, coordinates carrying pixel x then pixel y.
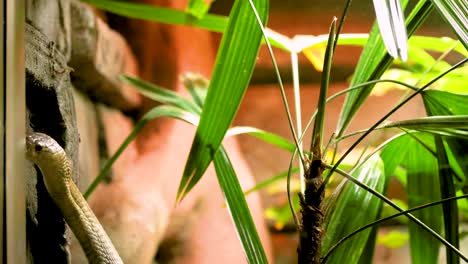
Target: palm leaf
{"type": "Point", "coordinates": [455, 12]}
{"type": "Point", "coordinates": [375, 223]}
{"type": "Point", "coordinates": [210, 22]}
{"type": "Point", "coordinates": [230, 186]}
{"type": "Point", "coordinates": [237, 205]}
{"type": "Point", "coordinates": [450, 126]}
{"type": "Point", "coordinates": [157, 112]}
{"type": "Point", "coordinates": [161, 95]}
{"type": "Point", "coordinates": [445, 103]}
{"type": "Point", "coordinates": [392, 27]}
{"type": "Point", "coordinates": [265, 136]}
{"type": "Point", "coordinates": [233, 69]}
{"type": "Point", "coordinates": [423, 187]}
{"type": "Point", "coordinates": [450, 209]}
{"type": "Point", "coordinates": [350, 200]}
{"type": "Point", "coordinates": [372, 64]}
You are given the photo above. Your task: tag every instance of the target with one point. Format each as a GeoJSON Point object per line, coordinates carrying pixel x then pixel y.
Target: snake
{"type": "Point", "coordinates": [57, 170]}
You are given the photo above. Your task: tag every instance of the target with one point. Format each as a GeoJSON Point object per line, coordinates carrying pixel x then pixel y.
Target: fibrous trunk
{"type": "Point", "coordinates": [310, 233]}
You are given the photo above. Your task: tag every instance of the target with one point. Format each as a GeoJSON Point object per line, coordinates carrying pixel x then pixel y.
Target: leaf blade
{"type": "Point", "coordinates": [317, 133]}
{"type": "Point", "coordinates": [450, 209]}
{"type": "Point", "coordinates": [455, 12]}
{"type": "Point", "coordinates": [350, 200]}
{"type": "Point", "coordinates": [265, 136]}
{"type": "Point", "coordinates": [233, 70]}
{"type": "Point", "coordinates": [422, 187]}
{"type": "Point", "coordinates": [159, 111]}
{"type": "Point", "coordinates": [160, 94]}
{"type": "Point", "coordinates": [391, 23]}
{"type": "Point", "coordinates": [238, 208]}
{"type": "Point", "coordinates": [210, 22]}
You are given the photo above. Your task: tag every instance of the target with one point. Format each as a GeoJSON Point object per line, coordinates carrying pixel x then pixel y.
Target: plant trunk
{"type": "Point", "coordinates": [310, 230]}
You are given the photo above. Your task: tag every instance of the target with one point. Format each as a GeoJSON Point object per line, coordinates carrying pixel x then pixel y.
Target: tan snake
{"type": "Point", "coordinates": [56, 169]}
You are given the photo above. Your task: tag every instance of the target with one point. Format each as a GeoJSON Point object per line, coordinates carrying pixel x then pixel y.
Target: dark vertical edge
{"type": "Point", "coordinates": [15, 114]}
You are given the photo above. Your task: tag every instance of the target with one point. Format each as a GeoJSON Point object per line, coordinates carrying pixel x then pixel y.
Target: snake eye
{"type": "Point", "coordinates": [38, 148]}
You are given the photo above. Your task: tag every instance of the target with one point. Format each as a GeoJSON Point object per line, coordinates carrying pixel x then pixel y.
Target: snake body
{"type": "Point", "coordinates": [57, 169]}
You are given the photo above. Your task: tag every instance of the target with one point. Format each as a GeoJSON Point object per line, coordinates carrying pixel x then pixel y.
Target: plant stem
{"type": "Point", "coordinates": [310, 231]}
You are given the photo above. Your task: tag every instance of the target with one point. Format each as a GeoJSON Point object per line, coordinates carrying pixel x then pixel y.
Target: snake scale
{"type": "Point", "coordinates": [57, 169]}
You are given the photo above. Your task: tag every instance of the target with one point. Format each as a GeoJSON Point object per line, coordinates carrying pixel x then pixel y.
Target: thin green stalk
{"type": "Point", "coordinates": [298, 108]}
{"type": "Point", "coordinates": [345, 91]}
{"type": "Point", "coordinates": [280, 83]}
{"type": "Point", "coordinates": [352, 88]}
{"type": "Point", "coordinates": [440, 58]}
{"type": "Point", "coordinates": [341, 23]}
{"type": "Point", "coordinates": [269, 181]}
{"type": "Point", "coordinates": [288, 190]}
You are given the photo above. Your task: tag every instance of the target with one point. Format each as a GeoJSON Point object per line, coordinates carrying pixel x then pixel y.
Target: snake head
{"type": "Point", "coordinates": [40, 146]}
{"type": "Point", "coordinates": [51, 159]}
